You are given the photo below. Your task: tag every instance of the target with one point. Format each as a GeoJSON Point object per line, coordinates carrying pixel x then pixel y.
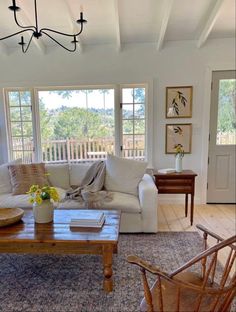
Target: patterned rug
{"type": "Point", "coordinates": [69, 283]}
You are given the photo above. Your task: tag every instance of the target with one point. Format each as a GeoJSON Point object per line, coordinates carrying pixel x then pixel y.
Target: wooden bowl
{"type": "Point", "coordinates": [10, 215]}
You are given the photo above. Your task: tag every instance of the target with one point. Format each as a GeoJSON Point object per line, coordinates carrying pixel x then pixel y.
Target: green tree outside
{"type": "Point", "coordinates": [227, 106]}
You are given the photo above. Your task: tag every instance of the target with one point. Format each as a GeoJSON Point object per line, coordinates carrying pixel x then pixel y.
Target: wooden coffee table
{"type": "Point", "coordinates": [57, 238]}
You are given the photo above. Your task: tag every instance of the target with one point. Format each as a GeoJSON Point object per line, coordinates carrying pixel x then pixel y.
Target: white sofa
{"type": "Point", "coordinates": [139, 212]}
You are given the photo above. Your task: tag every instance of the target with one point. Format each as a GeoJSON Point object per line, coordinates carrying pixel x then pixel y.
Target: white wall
{"type": "Point", "coordinates": [178, 63]}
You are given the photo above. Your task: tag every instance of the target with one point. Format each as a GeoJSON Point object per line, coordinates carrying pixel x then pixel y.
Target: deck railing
{"type": "Point", "coordinates": [228, 138]}
{"type": "Point", "coordinates": [71, 150]}
{"type": "Point", "coordinates": [76, 150]}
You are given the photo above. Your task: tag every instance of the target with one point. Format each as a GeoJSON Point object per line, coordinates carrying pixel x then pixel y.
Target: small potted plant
{"type": "Point", "coordinates": [42, 199]}
{"type": "Point", "coordinates": [179, 154]}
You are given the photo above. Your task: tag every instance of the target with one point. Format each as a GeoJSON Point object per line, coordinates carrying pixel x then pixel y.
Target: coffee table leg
{"type": "Point", "coordinates": [107, 268]}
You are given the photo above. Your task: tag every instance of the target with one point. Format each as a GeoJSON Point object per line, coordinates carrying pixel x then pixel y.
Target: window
{"type": "Point", "coordinates": [76, 124]}
{"type": "Point", "coordinates": [19, 111]}
{"type": "Point", "coordinates": [133, 123]}
{"type": "Point", "coordinates": [226, 124]}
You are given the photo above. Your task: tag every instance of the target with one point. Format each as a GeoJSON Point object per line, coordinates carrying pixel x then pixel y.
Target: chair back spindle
{"type": "Point", "coordinates": [184, 289]}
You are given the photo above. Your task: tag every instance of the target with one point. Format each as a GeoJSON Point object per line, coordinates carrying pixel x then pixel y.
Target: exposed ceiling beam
{"type": "Point", "coordinates": [210, 20]}
{"type": "Point", "coordinates": [3, 48]}
{"type": "Point", "coordinates": [25, 20]}
{"type": "Point", "coordinates": [117, 24]}
{"type": "Point", "coordinates": [73, 26]}
{"type": "Point", "coordinates": [166, 15]}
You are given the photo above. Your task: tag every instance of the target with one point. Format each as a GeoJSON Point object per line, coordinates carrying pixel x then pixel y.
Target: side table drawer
{"type": "Point", "coordinates": [175, 189]}
{"type": "Point", "coordinates": [173, 182]}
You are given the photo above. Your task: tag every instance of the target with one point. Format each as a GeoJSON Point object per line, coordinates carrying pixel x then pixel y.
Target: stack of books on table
{"type": "Point", "coordinates": [92, 221]}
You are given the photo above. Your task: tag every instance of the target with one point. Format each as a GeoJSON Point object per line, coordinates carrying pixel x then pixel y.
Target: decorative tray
{"type": "Point", "coordinates": [10, 215]}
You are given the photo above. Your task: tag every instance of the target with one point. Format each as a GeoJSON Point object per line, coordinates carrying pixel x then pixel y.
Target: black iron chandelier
{"type": "Point", "coordinates": [37, 33]}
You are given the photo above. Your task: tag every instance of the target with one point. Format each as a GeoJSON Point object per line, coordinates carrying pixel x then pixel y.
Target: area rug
{"type": "Point", "coordinates": [69, 283]}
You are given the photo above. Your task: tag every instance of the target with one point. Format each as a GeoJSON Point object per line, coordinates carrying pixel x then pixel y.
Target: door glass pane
{"type": "Point", "coordinates": [17, 144]}
{"type": "Point", "coordinates": [226, 121]}
{"type": "Point", "coordinates": [27, 129]}
{"type": "Point", "coordinates": [139, 126]}
{"type": "Point", "coordinates": [28, 144]}
{"type": "Point", "coordinates": [139, 95]}
{"type": "Point", "coordinates": [16, 129]}
{"type": "Point", "coordinates": [127, 111]}
{"type": "Point", "coordinates": [14, 98]}
{"type": "Point", "coordinates": [128, 127]}
{"type": "Point", "coordinates": [17, 155]}
{"type": "Point", "coordinates": [139, 142]}
{"type": "Point", "coordinates": [25, 98]}
{"type": "Point", "coordinates": [139, 110]}
{"type": "Point", "coordinates": [128, 142]}
{"type": "Point", "coordinates": [127, 95]}
{"type": "Point", "coordinates": [26, 113]}
{"type": "Point", "coordinates": [77, 125]}
{"type": "Point", "coordinates": [15, 113]}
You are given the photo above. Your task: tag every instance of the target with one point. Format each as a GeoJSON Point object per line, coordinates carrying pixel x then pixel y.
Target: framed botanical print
{"type": "Point", "coordinates": [179, 102]}
{"type": "Point", "coordinates": [178, 135]}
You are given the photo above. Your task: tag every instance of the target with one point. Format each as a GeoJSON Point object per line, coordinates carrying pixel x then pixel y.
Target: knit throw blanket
{"type": "Point", "coordinates": [90, 190]}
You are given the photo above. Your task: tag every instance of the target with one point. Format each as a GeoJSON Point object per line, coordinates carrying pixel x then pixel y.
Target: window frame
{"type": "Point", "coordinates": [134, 86]}
{"type": "Point", "coordinates": [8, 119]}
{"type": "Point", "coordinates": [117, 115]}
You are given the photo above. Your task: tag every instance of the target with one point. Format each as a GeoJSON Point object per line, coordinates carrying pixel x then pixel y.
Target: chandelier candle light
{"type": "Point", "coordinates": [37, 33]}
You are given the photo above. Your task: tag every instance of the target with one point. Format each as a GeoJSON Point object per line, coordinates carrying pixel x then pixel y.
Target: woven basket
{"type": "Point", "coordinates": [10, 215]}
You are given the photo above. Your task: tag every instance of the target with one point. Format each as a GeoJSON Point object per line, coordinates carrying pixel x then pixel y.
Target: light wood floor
{"type": "Point", "coordinates": [220, 219]}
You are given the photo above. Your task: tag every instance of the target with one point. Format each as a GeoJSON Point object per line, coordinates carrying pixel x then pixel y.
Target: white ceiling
{"type": "Point", "coordinates": [120, 22]}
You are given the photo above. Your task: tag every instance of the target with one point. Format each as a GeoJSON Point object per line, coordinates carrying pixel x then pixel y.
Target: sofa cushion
{"type": "Point", "coordinates": [5, 180]}
{"type": "Point", "coordinates": [14, 201]}
{"type": "Point", "coordinates": [123, 202]}
{"type": "Point", "coordinates": [58, 175]}
{"type": "Point", "coordinates": [77, 173]}
{"type": "Point", "coordinates": [120, 201]}
{"type": "Point", "coordinates": [123, 175]}
{"type": "Point", "coordinates": [23, 176]}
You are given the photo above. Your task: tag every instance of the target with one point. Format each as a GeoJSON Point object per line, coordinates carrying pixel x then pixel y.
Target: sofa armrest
{"type": "Point", "coordinates": [148, 201]}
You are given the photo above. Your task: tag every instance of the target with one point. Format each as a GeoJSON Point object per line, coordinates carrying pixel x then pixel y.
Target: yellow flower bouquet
{"type": "Point", "coordinates": [38, 194]}
{"type": "Point", "coordinates": [179, 151]}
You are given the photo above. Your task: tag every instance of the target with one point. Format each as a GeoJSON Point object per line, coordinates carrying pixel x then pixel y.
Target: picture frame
{"type": "Point", "coordinates": [178, 134]}
{"type": "Point", "coordinates": [179, 102]}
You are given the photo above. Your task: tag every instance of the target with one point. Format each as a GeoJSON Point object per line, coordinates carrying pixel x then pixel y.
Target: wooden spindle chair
{"type": "Point", "coordinates": [185, 290]}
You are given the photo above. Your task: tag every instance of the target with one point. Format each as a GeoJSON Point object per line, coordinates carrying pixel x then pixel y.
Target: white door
{"type": "Point", "coordinates": [222, 139]}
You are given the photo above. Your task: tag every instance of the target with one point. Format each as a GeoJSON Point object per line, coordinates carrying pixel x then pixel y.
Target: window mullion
{"type": "Point", "coordinates": [118, 121]}
{"type": "Point", "coordinates": [36, 125]}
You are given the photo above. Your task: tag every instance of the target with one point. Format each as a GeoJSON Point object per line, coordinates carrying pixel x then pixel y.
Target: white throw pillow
{"type": "Point", "coordinates": [58, 175]}
{"type": "Point", "coordinates": [123, 175]}
{"type": "Point", "coordinates": [77, 173]}
{"type": "Point", "coordinates": [5, 180]}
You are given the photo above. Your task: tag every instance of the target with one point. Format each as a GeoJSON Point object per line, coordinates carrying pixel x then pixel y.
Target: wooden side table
{"type": "Point", "coordinates": [178, 183]}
